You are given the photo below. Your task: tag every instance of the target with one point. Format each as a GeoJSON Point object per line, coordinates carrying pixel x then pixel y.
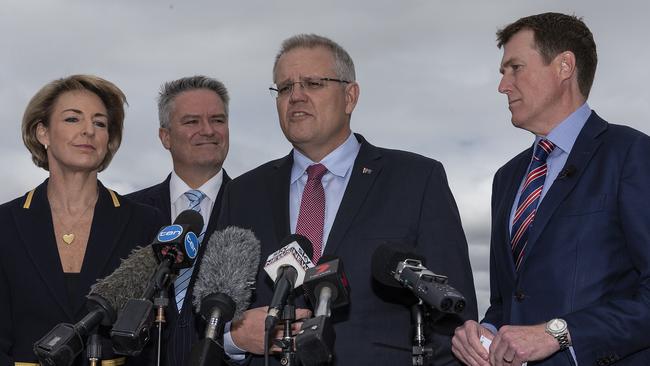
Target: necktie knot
{"type": "Point", "coordinates": [195, 197]}
{"type": "Point", "coordinates": [544, 148]}
{"type": "Point", "coordinates": [316, 172]}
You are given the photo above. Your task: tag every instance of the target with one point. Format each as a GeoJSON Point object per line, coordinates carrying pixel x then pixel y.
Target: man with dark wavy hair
{"type": "Point", "coordinates": [570, 246]}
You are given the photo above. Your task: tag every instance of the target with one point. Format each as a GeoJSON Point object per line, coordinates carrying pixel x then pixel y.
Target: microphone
{"type": "Point", "coordinates": [175, 247]}
{"type": "Point", "coordinates": [64, 342]}
{"type": "Point", "coordinates": [223, 287]}
{"type": "Point", "coordinates": [393, 264]}
{"type": "Point", "coordinates": [287, 267]}
{"type": "Point", "coordinates": [326, 288]}
{"type": "Point", "coordinates": [180, 240]}
{"type": "Point", "coordinates": [567, 172]}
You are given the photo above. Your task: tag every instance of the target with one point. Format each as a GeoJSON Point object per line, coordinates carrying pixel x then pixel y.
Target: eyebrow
{"type": "Point", "coordinates": [186, 116]}
{"type": "Point", "coordinates": [80, 112]}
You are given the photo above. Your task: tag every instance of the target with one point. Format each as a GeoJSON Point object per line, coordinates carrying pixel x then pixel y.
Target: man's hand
{"type": "Point", "coordinates": [467, 346]}
{"type": "Point", "coordinates": [248, 332]}
{"type": "Point", "coordinates": [514, 345]}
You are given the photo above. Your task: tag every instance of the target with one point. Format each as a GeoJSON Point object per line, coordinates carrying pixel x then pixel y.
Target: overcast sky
{"type": "Point", "coordinates": [428, 72]}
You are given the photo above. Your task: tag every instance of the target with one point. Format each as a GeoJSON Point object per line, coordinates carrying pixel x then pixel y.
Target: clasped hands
{"type": "Point", "coordinates": [511, 346]}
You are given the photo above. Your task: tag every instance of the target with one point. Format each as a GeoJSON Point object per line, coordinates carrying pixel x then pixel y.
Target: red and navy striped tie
{"type": "Point", "coordinates": [529, 200]}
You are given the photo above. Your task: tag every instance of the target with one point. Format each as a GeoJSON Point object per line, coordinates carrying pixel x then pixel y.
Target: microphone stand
{"type": "Point", "coordinates": [287, 341]}
{"type": "Point", "coordinates": [421, 353]}
{"type": "Point", "coordinates": [161, 302]}
{"type": "Point", "coordinates": [94, 349]}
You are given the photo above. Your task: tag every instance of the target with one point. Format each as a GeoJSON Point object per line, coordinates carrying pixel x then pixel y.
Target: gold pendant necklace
{"type": "Point", "coordinates": [68, 235]}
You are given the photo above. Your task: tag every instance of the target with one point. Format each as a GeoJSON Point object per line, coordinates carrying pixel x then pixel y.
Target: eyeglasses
{"type": "Point", "coordinates": [307, 84]}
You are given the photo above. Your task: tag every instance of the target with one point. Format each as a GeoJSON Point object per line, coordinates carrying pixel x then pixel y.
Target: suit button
{"type": "Point", "coordinates": [519, 296]}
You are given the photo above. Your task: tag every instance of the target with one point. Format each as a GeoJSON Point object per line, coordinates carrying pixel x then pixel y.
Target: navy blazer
{"type": "Point", "coordinates": [181, 330]}
{"type": "Point", "coordinates": [588, 253]}
{"type": "Point", "coordinates": [392, 196]}
{"type": "Point", "coordinates": [33, 294]}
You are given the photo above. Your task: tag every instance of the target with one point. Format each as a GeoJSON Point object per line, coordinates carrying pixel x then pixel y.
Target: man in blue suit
{"type": "Point", "coordinates": [193, 114]}
{"type": "Point", "coordinates": [368, 196]}
{"type": "Point", "coordinates": [570, 246]}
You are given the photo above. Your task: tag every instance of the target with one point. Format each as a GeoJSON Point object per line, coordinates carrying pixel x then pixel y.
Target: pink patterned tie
{"type": "Point", "coordinates": [312, 209]}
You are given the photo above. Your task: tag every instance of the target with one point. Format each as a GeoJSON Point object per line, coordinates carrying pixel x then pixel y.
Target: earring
{"type": "Point", "coordinates": [45, 146]}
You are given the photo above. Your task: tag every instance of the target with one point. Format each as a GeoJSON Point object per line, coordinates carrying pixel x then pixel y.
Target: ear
{"type": "Point", "coordinates": [567, 64]}
{"type": "Point", "coordinates": [163, 134]}
{"type": "Point", "coordinates": [351, 96]}
{"type": "Point", "coordinates": [43, 134]}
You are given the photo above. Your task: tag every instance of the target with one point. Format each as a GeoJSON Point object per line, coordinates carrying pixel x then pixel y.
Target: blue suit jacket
{"type": "Point", "coordinates": [588, 256]}
{"type": "Point", "coordinates": [181, 330]}
{"type": "Point", "coordinates": [33, 295]}
{"type": "Point", "coordinates": [405, 198]}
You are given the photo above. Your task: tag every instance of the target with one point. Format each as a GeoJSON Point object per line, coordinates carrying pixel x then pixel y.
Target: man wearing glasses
{"type": "Point", "coordinates": [348, 197]}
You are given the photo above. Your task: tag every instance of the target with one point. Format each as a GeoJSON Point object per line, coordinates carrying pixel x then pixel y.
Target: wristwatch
{"type": "Point", "coordinates": [558, 329]}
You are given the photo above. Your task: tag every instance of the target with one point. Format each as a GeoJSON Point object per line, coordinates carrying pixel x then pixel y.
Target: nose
{"type": "Point", "coordinates": [88, 127]}
{"type": "Point", "coordinates": [207, 129]}
{"type": "Point", "coordinates": [505, 86]}
{"type": "Point", "coordinates": [297, 93]}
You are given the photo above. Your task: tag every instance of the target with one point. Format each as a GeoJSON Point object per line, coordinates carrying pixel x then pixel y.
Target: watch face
{"type": "Point", "coordinates": [556, 325]}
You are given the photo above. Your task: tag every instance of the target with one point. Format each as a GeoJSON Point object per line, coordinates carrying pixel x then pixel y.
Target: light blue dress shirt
{"type": "Point", "coordinates": [339, 167]}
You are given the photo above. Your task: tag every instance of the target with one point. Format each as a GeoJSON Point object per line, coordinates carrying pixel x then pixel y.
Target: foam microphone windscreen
{"type": "Point", "coordinates": [385, 260]}
{"type": "Point", "coordinates": [229, 265]}
{"type": "Point", "coordinates": [129, 280]}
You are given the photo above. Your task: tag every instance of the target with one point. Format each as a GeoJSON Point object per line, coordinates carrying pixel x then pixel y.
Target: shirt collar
{"type": "Point", "coordinates": [339, 162]}
{"type": "Point", "coordinates": [177, 187]}
{"type": "Point", "coordinates": [565, 134]}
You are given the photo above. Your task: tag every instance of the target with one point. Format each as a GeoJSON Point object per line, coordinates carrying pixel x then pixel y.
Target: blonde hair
{"type": "Point", "coordinates": [39, 110]}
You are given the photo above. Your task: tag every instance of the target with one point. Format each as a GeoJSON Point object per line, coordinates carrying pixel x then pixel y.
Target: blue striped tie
{"type": "Point", "coordinates": [183, 280]}
{"type": "Point", "coordinates": [529, 200]}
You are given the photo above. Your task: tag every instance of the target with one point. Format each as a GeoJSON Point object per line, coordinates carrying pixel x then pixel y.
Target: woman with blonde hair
{"type": "Point", "coordinates": [60, 237]}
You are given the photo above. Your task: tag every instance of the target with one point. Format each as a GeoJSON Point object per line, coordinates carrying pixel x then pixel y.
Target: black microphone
{"type": "Point", "coordinates": [567, 172]}
{"type": "Point", "coordinates": [64, 342]}
{"type": "Point", "coordinates": [223, 287]}
{"type": "Point", "coordinates": [326, 288]}
{"type": "Point", "coordinates": [175, 247]}
{"type": "Point", "coordinates": [180, 240]}
{"type": "Point", "coordinates": [393, 265]}
{"type": "Point", "coordinates": [287, 267]}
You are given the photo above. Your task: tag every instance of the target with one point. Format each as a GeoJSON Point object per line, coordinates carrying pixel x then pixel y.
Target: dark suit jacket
{"type": "Point", "coordinates": [405, 198]}
{"type": "Point", "coordinates": [588, 257]}
{"type": "Point", "coordinates": [181, 330]}
{"type": "Point", "coordinates": [33, 294]}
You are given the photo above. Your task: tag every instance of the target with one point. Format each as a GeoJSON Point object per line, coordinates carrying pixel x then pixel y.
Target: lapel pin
{"type": "Point", "coordinates": [366, 171]}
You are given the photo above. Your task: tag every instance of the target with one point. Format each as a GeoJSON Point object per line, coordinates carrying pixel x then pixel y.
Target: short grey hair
{"type": "Point", "coordinates": [172, 89]}
{"type": "Point", "coordinates": [343, 65]}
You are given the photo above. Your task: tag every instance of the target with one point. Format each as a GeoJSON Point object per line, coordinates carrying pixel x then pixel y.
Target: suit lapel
{"type": "Point", "coordinates": [367, 167]}
{"type": "Point", "coordinates": [37, 231]}
{"type": "Point", "coordinates": [109, 223]}
{"type": "Point", "coordinates": [279, 193]}
{"type": "Point", "coordinates": [210, 228]}
{"type": "Point", "coordinates": [216, 208]}
{"type": "Point", "coordinates": [520, 166]}
{"type": "Point", "coordinates": [583, 150]}
{"type": "Point", "coordinates": [162, 199]}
